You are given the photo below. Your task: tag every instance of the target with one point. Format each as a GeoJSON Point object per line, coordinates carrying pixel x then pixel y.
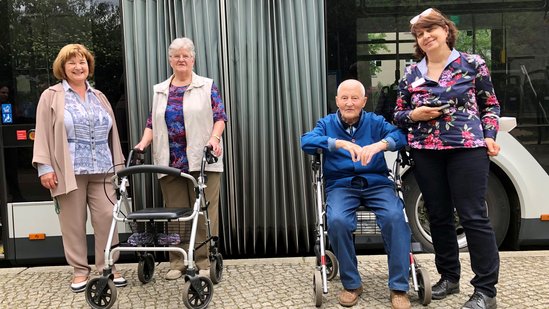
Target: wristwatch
{"type": "Point", "coordinates": [386, 142]}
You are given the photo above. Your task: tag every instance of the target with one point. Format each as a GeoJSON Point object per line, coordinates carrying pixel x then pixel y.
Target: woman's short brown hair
{"type": "Point", "coordinates": [66, 53]}
{"type": "Point", "coordinates": [434, 18]}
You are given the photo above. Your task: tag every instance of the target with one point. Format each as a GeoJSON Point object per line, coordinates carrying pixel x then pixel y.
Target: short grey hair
{"type": "Point", "coordinates": [181, 43]}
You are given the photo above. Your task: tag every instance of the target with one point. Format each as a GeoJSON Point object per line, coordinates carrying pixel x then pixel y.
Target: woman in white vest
{"type": "Point", "coordinates": [187, 114]}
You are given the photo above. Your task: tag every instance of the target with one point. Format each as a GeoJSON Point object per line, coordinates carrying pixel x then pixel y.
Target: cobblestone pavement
{"type": "Point", "coordinates": [276, 283]}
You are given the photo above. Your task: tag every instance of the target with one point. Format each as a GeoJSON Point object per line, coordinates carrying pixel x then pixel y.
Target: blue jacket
{"type": "Point", "coordinates": [339, 169]}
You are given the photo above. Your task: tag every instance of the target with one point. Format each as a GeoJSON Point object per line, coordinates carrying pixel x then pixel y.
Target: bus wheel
{"type": "Point", "coordinates": [497, 204]}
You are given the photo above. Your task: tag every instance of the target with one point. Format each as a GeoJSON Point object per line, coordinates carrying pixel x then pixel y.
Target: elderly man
{"type": "Point", "coordinates": [355, 171]}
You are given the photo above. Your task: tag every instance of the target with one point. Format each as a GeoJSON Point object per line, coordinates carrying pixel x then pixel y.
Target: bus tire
{"type": "Point", "coordinates": [496, 200]}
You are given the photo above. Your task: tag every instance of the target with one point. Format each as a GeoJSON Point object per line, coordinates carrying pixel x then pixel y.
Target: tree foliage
{"type": "Point", "coordinates": [39, 28]}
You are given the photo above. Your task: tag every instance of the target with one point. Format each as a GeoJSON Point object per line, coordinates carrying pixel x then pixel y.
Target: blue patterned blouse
{"type": "Point", "coordinates": [466, 85]}
{"type": "Point", "coordinates": [88, 125]}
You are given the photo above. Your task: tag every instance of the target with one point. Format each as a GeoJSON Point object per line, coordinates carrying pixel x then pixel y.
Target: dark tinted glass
{"type": "Point", "coordinates": [33, 33]}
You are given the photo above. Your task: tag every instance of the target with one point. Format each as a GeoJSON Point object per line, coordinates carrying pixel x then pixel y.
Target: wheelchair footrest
{"type": "Point", "coordinates": [159, 214]}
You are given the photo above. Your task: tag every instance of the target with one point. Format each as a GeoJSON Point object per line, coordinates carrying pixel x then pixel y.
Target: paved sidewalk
{"type": "Point", "coordinates": [276, 283]}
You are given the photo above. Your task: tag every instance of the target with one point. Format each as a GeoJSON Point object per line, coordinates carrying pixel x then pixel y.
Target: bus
{"type": "Point", "coordinates": [277, 65]}
{"type": "Point", "coordinates": [513, 37]}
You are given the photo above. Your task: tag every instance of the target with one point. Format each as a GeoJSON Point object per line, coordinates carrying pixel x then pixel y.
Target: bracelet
{"type": "Point", "coordinates": [217, 136]}
{"type": "Point", "coordinates": [410, 115]}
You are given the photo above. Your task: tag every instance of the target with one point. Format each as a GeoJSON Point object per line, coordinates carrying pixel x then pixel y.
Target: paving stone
{"type": "Point", "coordinates": [276, 283]}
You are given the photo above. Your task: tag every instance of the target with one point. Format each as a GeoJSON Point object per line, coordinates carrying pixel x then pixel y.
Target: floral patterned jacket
{"type": "Point", "coordinates": [465, 85]}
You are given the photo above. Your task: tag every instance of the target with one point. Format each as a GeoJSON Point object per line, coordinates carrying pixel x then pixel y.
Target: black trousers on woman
{"type": "Point", "coordinates": [458, 178]}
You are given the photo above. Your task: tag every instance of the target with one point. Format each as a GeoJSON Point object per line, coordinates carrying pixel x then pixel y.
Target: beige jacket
{"type": "Point", "coordinates": [198, 117]}
{"type": "Point", "coordinates": [50, 141]}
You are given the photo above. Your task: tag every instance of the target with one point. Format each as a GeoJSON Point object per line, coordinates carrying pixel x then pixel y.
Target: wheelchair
{"type": "Point", "coordinates": [326, 262]}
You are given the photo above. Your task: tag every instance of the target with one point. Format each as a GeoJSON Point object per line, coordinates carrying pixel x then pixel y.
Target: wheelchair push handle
{"type": "Point", "coordinates": [404, 157]}
{"type": "Point", "coordinates": [315, 162]}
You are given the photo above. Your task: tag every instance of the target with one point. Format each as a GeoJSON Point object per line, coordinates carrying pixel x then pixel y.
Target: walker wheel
{"type": "Point", "coordinates": [199, 295]}
{"type": "Point", "coordinates": [216, 268]}
{"type": "Point", "coordinates": [145, 268]}
{"type": "Point", "coordinates": [424, 286]}
{"type": "Point", "coordinates": [317, 288]}
{"type": "Point", "coordinates": [332, 265]}
{"type": "Point", "coordinates": [100, 298]}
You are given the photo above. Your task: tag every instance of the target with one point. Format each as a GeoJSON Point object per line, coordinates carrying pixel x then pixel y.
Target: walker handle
{"type": "Point", "coordinates": [149, 169]}
{"type": "Point", "coordinates": [210, 157]}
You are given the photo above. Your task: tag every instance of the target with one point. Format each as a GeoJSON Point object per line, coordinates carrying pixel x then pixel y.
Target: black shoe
{"type": "Point", "coordinates": [480, 300]}
{"type": "Point", "coordinates": [444, 288]}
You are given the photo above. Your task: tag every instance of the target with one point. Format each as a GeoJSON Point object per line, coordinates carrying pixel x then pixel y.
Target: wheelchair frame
{"type": "Point", "coordinates": [326, 261]}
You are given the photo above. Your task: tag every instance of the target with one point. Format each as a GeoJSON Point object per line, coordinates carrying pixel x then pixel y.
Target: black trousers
{"type": "Point", "coordinates": [458, 178]}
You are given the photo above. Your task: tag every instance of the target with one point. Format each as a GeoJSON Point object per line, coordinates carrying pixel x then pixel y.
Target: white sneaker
{"type": "Point", "coordinates": [120, 282]}
{"type": "Point", "coordinates": [79, 287]}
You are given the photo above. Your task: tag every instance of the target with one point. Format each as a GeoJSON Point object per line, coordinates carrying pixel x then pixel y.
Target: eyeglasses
{"type": "Point", "coordinates": [184, 57]}
{"type": "Point", "coordinates": [424, 13]}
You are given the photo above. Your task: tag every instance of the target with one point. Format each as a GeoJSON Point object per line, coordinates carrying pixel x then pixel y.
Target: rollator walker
{"type": "Point", "coordinates": [197, 290]}
{"type": "Point", "coordinates": [326, 262]}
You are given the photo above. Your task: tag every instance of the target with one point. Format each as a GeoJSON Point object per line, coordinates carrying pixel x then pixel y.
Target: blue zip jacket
{"type": "Point", "coordinates": [339, 168]}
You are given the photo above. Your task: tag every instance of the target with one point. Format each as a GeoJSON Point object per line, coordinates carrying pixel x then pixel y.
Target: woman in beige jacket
{"type": "Point", "coordinates": [76, 145]}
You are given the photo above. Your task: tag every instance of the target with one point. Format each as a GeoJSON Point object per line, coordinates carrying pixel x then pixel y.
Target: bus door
{"type": "Point", "coordinates": [29, 222]}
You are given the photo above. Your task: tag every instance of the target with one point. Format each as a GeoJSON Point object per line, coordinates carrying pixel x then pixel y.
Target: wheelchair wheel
{"type": "Point", "coordinates": [332, 265]}
{"type": "Point", "coordinates": [317, 288]}
{"type": "Point", "coordinates": [216, 268]}
{"type": "Point", "coordinates": [145, 268]}
{"type": "Point", "coordinates": [100, 299]}
{"type": "Point", "coordinates": [424, 286]}
{"type": "Point", "coordinates": [198, 297]}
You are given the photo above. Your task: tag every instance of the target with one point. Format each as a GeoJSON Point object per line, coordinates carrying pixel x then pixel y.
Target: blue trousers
{"type": "Point", "coordinates": [342, 204]}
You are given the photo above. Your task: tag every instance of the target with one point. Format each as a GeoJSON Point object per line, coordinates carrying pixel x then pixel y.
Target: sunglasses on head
{"type": "Point", "coordinates": [415, 19]}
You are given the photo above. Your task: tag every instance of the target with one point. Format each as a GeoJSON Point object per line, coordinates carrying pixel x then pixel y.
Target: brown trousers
{"type": "Point", "coordinates": [179, 192]}
{"type": "Point", "coordinates": [73, 215]}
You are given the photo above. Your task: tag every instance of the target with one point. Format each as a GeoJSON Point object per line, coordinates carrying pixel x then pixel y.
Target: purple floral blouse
{"type": "Point", "coordinates": [466, 85]}
{"type": "Point", "coordinates": [177, 134]}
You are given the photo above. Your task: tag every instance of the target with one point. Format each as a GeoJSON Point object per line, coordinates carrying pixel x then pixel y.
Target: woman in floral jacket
{"type": "Point", "coordinates": [448, 105]}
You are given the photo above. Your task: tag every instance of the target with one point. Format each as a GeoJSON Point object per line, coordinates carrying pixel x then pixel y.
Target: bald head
{"type": "Point", "coordinates": [350, 100]}
{"type": "Point", "coordinates": [351, 83]}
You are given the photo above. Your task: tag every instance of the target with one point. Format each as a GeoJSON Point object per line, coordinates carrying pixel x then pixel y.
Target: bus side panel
{"type": "Point", "coordinates": [528, 177]}
{"type": "Point", "coordinates": [35, 234]}
{"type": "Point", "coordinates": [534, 232]}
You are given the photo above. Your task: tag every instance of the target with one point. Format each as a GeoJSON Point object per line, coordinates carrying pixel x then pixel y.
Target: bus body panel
{"type": "Point", "coordinates": [528, 177]}
{"type": "Point", "coordinates": [28, 221]}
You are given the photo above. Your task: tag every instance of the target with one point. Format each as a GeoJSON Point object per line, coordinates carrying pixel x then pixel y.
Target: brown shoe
{"type": "Point", "coordinates": [349, 298]}
{"type": "Point", "coordinates": [399, 300]}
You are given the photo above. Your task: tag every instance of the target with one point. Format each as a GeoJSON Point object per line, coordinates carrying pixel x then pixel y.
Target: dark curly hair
{"type": "Point", "coordinates": [434, 18]}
